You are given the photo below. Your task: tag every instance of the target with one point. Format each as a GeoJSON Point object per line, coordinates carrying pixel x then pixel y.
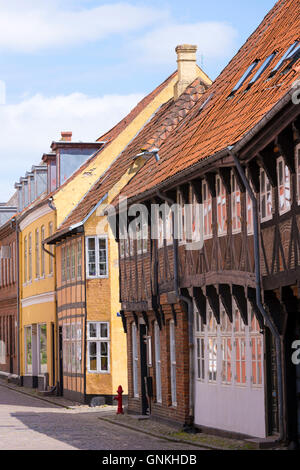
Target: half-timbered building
{"type": "Point", "coordinates": [212, 316]}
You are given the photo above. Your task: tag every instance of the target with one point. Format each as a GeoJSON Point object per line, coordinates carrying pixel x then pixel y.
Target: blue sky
{"type": "Point", "coordinates": [82, 64]}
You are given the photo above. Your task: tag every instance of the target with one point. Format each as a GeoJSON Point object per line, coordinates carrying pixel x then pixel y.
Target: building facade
{"type": "Point", "coordinates": [211, 305]}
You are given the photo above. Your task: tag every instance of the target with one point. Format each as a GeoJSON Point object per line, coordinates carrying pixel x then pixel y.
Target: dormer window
{"type": "Point", "coordinates": [265, 197]}
{"type": "Point", "coordinates": [284, 186]}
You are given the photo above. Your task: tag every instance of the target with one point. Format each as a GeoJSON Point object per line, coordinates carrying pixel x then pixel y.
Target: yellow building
{"type": "Point", "coordinates": [70, 325]}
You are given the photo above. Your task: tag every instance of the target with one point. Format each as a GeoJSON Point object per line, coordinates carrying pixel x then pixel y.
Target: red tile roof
{"type": "Point", "coordinates": [224, 121]}
{"type": "Point", "coordinates": [152, 134]}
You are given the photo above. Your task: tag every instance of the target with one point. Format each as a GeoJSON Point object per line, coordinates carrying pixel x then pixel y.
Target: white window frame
{"type": "Point", "coordinates": [29, 327]}
{"type": "Point", "coordinates": [157, 363]}
{"type": "Point", "coordinates": [239, 340]}
{"type": "Point", "coordinates": [207, 207]}
{"type": "Point", "coordinates": [97, 275]}
{"type": "Point", "coordinates": [173, 363]}
{"type": "Point", "coordinates": [43, 258]}
{"type": "Point", "coordinates": [264, 193]}
{"type": "Point", "coordinates": [297, 158]}
{"type": "Point", "coordinates": [249, 207]}
{"type": "Point", "coordinates": [282, 186]}
{"type": "Point", "coordinates": [135, 361]}
{"type": "Point", "coordinates": [235, 195]}
{"type": "Point", "coordinates": [37, 254]}
{"type": "Point", "coordinates": [222, 229]}
{"type": "Point", "coordinates": [38, 347]}
{"type": "Point", "coordinates": [181, 219]}
{"type": "Point", "coordinates": [98, 340]}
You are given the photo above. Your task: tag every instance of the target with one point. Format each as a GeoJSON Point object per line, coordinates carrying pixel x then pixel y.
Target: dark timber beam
{"type": "Point", "coordinates": [213, 299]}
{"type": "Point", "coordinates": [196, 186]}
{"type": "Point", "coordinates": [226, 179]}
{"type": "Point", "coordinates": [162, 315]}
{"type": "Point", "coordinates": [238, 293]}
{"type": "Point", "coordinates": [226, 298]}
{"type": "Point", "coordinates": [251, 294]}
{"type": "Point", "coordinates": [267, 156]}
{"type": "Point", "coordinates": [285, 144]}
{"type": "Point", "coordinates": [136, 320]}
{"type": "Point", "coordinates": [174, 314]}
{"type": "Point", "coordinates": [124, 320]}
{"type": "Point", "coordinates": [276, 311]}
{"type": "Point", "coordinates": [145, 318]}
{"type": "Point", "coordinates": [211, 181]}
{"type": "Point", "coordinates": [200, 301]}
{"type": "Point", "coordinates": [253, 170]}
{"type": "Point", "coordinates": [239, 180]}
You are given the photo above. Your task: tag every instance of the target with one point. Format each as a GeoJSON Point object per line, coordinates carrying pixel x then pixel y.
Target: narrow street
{"type": "Point", "coordinates": [27, 423]}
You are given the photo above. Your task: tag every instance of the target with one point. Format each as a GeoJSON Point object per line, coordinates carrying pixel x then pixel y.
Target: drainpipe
{"type": "Point", "coordinates": [18, 298]}
{"type": "Point", "coordinates": [190, 306]}
{"type": "Point", "coordinates": [268, 320]}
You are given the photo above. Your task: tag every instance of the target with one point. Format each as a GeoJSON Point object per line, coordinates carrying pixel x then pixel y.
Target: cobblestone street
{"type": "Point", "coordinates": [27, 423]}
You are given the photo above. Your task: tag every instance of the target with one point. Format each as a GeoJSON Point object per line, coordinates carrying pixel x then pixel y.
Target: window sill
{"type": "Point", "coordinates": [98, 372]}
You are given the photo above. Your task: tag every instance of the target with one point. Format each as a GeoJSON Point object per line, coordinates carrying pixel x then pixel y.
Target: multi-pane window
{"type": "Point", "coordinates": [142, 237]}
{"type": "Point", "coordinates": [28, 350]}
{"type": "Point", "coordinates": [212, 347]}
{"type": "Point", "coordinates": [25, 259]}
{"type": "Point", "coordinates": [298, 171]}
{"type": "Point", "coordinates": [240, 348]}
{"type": "Point", "coordinates": [63, 264]}
{"type": "Point", "coordinates": [79, 259]}
{"type": "Point", "coordinates": [42, 341]}
{"type": "Point", "coordinates": [181, 235]}
{"type": "Point", "coordinates": [256, 351]}
{"type": "Point", "coordinates": [37, 254]}
{"type": "Point", "coordinates": [97, 265]}
{"type": "Point", "coordinates": [265, 197]}
{"type": "Point", "coordinates": [200, 346]}
{"type": "Point", "coordinates": [42, 252]}
{"type": "Point", "coordinates": [68, 262]}
{"type": "Point", "coordinates": [221, 207]}
{"type": "Point", "coordinates": [51, 250]}
{"type": "Point", "coordinates": [195, 218]}
{"type": "Point", "coordinates": [207, 211]}
{"type": "Point", "coordinates": [226, 336]}
{"type": "Point", "coordinates": [73, 261]}
{"type": "Point", "coordinates": [235, 204]}
{"type": "Point", "coordinates": [284, 186]}
{"type": "Point", "coordinates": [29, 257]}
{"type": "Point", "coordinates": [98, 347]}
{"type": "Point", "coordinates": [173, 363]}
{"type": "Point", "coordinates": [157, 362]}
{"type": "Point", "coordinates": [135, 360]}
{"type": "Point", "coordinates": [72, 354]}
{"type": "Point", "coordinates": [249, 209]}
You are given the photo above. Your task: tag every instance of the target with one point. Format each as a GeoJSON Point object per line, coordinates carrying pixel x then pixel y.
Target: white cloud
{"type": "Point", "coordinates": [29, 127]}
{"type": "Point", "coordinates": [31, 25]}
{"type": "Point", "coordinates": [214, 40]}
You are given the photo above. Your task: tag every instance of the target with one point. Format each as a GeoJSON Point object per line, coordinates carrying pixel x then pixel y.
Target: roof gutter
{"type": "Point", "coordinates": [220, 154]}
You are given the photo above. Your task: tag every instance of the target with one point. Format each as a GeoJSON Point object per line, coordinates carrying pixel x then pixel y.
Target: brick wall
{"type": "Point", "coordinates": [165, 409]}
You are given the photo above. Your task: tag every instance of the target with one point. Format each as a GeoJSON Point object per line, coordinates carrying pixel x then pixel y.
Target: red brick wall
{"type": "Point", "coordinates": [165, 409]}
{"type": "Point", "coordinates": [8, 301]}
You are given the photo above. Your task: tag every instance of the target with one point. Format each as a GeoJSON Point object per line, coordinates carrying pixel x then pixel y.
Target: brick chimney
{"type": "Point", "coordinates": [187, 68]}
{"type": "Point", "coordinates": [66, 136]}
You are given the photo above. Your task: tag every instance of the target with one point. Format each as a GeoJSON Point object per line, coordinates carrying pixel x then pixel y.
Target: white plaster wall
{"type": "Point", "coordinates": [230, 408]}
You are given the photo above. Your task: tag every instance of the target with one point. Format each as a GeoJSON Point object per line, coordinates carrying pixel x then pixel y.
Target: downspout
{"type": "Point", "coordinates": [190, 306]}
{"type": "Point", "coordinates": [18, 298]}
{"type": "Point", "coordinates": [268, 320]}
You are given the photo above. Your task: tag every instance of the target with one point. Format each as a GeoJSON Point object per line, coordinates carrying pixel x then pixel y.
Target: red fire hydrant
{"type": "Point", "coordinates": [119, 399]}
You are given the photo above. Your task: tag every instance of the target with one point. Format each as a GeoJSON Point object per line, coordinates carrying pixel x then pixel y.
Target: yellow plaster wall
{"type": "Point", "coordinates": [42, 312]}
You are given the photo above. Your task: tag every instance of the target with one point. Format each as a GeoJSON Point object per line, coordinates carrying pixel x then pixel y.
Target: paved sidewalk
{"type": "Point", "coordinates": [28, 423]}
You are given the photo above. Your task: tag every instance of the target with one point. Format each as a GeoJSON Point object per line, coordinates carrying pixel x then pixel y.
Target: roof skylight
{"type": "Point", "coordinates": [262, 68]}
{"type": "Point", "coordinates": [244, 77]}
{"type": "Point", "coordinates": [292, 50]}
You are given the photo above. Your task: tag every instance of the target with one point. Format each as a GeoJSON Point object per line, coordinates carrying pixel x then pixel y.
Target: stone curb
{"type": "Point", "coordinates": [35, 396]}
{"type": "Point", "coordinates": [161, 436]}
